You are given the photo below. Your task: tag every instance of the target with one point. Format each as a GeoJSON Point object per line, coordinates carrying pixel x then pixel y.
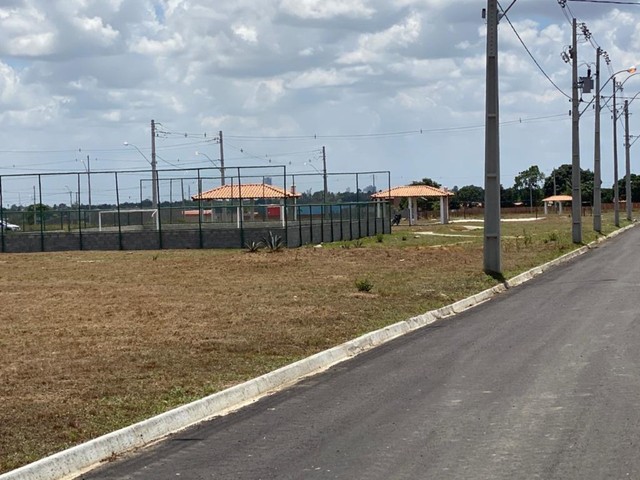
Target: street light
{"type": "Point", "coordinates": [70, 196]}
{"type": "Point", "coordinates": [154, 175]}
{"type": "Point", "coordinates": [214, 164]}
{"type": "Point", "coordinates": [597, 208]}
{"type": "Point", "coordinates": [627, 145]}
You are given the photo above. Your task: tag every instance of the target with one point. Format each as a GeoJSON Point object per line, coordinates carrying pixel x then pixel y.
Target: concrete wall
{"type": "Point", "coordinates": [298, 233]}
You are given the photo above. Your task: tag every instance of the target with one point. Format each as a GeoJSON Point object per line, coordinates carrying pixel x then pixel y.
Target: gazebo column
{"type": "Point", "coordinates": [560, 208]}
{"type": "Point", "coordinates": [444, 210]}
{"type": "Point", "coordinates": [545, 207]}
{"type": "Point", "coordinates": [412, 219]}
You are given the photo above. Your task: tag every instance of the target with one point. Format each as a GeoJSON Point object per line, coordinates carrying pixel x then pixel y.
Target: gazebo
{"type": "Point", "coordinates": [247, 191]}
{"type": "Point", "coordinates": [413, 192]}
{"type": "Point", "coordinates": [556, 199]}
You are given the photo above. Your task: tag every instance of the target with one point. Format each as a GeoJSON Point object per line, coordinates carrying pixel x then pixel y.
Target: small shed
{"type": "Point", "coordinates": [556, 199]}
{"type": "Point", "coordinates": [247, 191]}
{"type": "Point", "coordinates": [413, 192]}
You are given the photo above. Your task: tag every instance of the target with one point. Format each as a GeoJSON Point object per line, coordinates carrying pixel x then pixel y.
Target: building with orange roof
{"type": "Point", "coordinates": [412, 193]}
{"type": "Point", "coordinates": [250, 192]}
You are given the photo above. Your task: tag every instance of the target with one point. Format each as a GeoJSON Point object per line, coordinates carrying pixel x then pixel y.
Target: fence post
{"type": "Point", "coordinates": [300, 223]}
{"type": "Point", "coordinates": [322, 224]}
{"type": "Point", "coordinates": [310, 225]}
{"type": "Point", "coordinates": [79, 213]}
{"type": "Point", "coordinates": [199, 208]}
{"type": "Point", "coordinates": [41, 213]}
{"type": "Point", "coordinates": [331, 220]}
{"type": "Point", "coordinates": [158, 211]}
{"type": "Point", "coordinates": [118, 212]}
{"type": "Point", "coordinates": [240, 209]}
{"type": "Point", "coordinates": [3, 247]}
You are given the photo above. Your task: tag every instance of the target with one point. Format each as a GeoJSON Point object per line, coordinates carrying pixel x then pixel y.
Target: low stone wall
{"type": "Point", "coordinates": [297, 234]}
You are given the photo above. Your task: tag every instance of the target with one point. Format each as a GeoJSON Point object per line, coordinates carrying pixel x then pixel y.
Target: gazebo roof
{"type": "Point", "coordinates": [558, 198]}
{"type": "Point", "coordinates": [412, 191]}
{"type": "Point", "coordinates": [246, 190]}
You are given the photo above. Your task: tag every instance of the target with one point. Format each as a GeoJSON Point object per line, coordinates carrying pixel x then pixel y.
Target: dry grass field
{"type": "Point", "coordinates": [94, 341]}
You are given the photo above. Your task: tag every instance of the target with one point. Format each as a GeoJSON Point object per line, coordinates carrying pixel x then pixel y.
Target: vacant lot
{"type": "Point", "coordinates": [93, 341]}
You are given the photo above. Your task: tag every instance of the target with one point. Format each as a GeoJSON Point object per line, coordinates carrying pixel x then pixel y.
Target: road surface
{"type": "Point", "coordinates": [542, 382]}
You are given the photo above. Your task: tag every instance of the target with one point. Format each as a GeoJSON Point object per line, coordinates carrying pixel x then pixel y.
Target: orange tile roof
{"type": "Point", "coordinates": [247, 190]}
{"type": "Point", "coordinates": [558, 198]}
{"type": "Point", "coordinates": [412, 191]}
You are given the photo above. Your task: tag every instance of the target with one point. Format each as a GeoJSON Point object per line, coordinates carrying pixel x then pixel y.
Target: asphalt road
{"type": "Point", "coordinates": [542, 382]}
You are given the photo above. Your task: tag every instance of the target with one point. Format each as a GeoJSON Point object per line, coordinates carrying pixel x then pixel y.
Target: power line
{"type": "Point", "coordinates": [531, 55]}
{"type": "Point", "coordinates": [615, 2]}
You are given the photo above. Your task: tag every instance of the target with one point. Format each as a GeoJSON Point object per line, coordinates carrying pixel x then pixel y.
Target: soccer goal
{"type": "Point", "coordinates": [109, 219]}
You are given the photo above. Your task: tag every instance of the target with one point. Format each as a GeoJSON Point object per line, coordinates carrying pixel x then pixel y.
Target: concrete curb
{"type": "Point", "coordinates": [72, 462]}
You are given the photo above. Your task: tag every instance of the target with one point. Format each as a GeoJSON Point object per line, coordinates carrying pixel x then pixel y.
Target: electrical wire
{"type": "Point", "coordinates": [531, 55]}
{"type": "Point", "coordinates": [615, 2]}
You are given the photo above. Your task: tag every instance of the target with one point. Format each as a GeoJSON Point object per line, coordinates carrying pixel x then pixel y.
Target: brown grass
{"type": "Point", "coordinates": [94, 341]}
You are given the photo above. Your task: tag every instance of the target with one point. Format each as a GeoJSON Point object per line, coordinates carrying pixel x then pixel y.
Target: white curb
{"type": "Point", "coordinates": [73, 461]}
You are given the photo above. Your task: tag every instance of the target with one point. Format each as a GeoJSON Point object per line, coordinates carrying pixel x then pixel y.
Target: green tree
{"type": "Point", "coordinates": [563, 183]}
{"type": "Point", "coordinates": [470, 194]}
{"type": "Point", "coordinates": [428, 205]}
{"type": "Point", "coordinates": [35, 211]}
{"type": "Point", "coordinates": [527, 184]}
{"type": "Point", "coordinates": [635, 187]}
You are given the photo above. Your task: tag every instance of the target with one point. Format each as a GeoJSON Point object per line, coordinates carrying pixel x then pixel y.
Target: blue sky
{"type": "Point", "coordinates": [392, 85]}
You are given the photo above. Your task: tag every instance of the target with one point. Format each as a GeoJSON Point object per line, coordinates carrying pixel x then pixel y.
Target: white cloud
{"type": "Point", "coordinates": [373, 47]}
{"type": "Point", "coordinates": [325, 9]}
{"type": "Point", "coordinates": [248, 34]}
{"type": "Point", "coordinates": [147, 46]}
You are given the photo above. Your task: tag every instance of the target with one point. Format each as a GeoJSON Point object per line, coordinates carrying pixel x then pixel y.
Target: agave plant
{"type": "Point", "coordinates": [253, 246]}
{"type": "Point", "coordinates": [273, 242]}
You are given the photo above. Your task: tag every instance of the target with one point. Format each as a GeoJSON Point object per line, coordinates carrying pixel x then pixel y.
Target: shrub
{"type": "Point", "coordinates": [379, 237]}
{"type": "Point", "coordinates": [273, 243]}
{"type": "Point", "coordinates": [364, 285]}
{"type": "Point", "coordinates": [253, 246]}
{"type": "Point", "coordinates": [358, 243]}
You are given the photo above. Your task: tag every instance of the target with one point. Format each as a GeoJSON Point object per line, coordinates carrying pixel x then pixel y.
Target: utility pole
{"type": "Point", "coordinates": [324, 174]}
{"type": "Point", "coordinates": [222, 180]}
{"type": "Point", "coordinates": [576, 197]}
{"type": "Point", "coordinates": [616, 197]}
{"type": "Point", "coordinates": [627, 148]}
{"type": "Point", "coordinates": [597, 175]}
{"type": "Point", "coordinates": [492, 254]}
{"type": "Point", "coordinates": [154, 170]}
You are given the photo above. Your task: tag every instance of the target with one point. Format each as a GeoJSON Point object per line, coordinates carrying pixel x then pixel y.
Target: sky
{"type": "Point", "coordinates": [383, 85]}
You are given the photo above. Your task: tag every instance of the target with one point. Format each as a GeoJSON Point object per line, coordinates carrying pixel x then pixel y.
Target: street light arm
{"type": "Point", "coordinates": [127, 144]}
{"type": "Point", "coordinates": [198, 153]}
{"type": "Point", "coordinates": [622, 84]}
{"type": "Point", "coordinates": [631, 70]}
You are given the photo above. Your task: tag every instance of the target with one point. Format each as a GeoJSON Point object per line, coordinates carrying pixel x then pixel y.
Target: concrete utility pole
{"type": "Point", "coordinates": [222, 180]}
{"type": "Point", "coordinates": [492, 254]}
{"type": "Point", "coordinates": [627, 148]}
{"type": "Point", "coordinates": [597, 175]}
{"type": "Point", "coordinates": [616, 197]}
{"type": "Point", "coordinates": [324, 174]}
{"type": "Point", "coordinates": [576, 197]}
{"type": "Point", "coordinates": [154, 170]}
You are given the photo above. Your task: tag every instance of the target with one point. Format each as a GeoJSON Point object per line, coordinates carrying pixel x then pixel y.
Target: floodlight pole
{"type": "Point", "coordinates": [154, 167]}
{"type": "Point", "coordinates": [492, 254]}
